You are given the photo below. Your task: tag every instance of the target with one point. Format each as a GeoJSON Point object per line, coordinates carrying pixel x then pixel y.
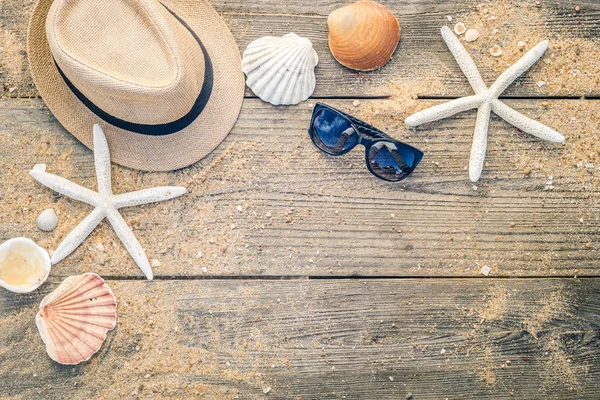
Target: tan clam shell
{"type": "Point", "coordinates": [73, 320]}
{"type": "Point", "coordinates": [24, 265]}
{"type": "Point", "coordinates": [363, 35]}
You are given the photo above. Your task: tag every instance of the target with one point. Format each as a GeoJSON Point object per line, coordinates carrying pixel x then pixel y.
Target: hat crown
{"type": "Point", "coordinates": [131, 58]}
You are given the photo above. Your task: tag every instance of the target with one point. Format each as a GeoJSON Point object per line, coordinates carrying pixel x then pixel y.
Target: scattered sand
{"type": "Point", "coordinates": [12, 58]}
{"type": "Point", "coordinates": [537, 322]}
{"type": "Point", "coordinates": [558, 366]}
{"type": "Point", "coordinates": [478, 344]}
{"type": "Point", "coordinates": [570, 65]}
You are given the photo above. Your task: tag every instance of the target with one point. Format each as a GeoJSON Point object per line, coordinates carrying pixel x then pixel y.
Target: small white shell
{"type": "Point", "coordinates": [471, 35]}
{"type": "Point", "coordinates": [24, 265]}
{"type": "Point", "coordinates": [280, 70]}
{"type": "Point", "coordinates": [460, 28]}
{"type": "Point", "coordinates": [496, 51]}
{"type": "Point", "coordinates": [47, 220]}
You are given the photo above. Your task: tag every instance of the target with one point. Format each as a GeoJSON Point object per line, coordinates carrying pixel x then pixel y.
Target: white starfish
{"type": "Point", "coordinates": [106, 204]}
{"type": "Point", "coordinates": [486, 100]}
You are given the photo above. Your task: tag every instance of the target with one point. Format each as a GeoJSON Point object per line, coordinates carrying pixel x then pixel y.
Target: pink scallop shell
{"type": "Point", "coordinates": [73, 320]}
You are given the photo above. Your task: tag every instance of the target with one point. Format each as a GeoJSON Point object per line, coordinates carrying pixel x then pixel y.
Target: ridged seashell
{"type": "Point", "coordinates": [363, 35]}
{"type": "Point", "coordinates": [24, 265]}
{"type": "Point", "coordinates": [281, 70]}
{"type": "Point", "coordinates": [47, 220]}
{"type": "Point", "coordinates": [73, 320]}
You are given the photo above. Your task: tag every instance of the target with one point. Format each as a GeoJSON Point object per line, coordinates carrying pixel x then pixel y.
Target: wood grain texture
{"type": "Point", "coordinates": [420, 56]}
{"type": "Point", "coordinates": [304, 213]}
{"type": "Point", "coordinates": [325, 7]}
{"type": "Point", "coordinates": [341, 339]}
{"type": "Point", "coordinates": [270, 328]}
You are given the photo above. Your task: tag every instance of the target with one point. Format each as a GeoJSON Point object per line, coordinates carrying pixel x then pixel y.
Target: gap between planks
{"type": "Point", "coordinates": [335, 277]}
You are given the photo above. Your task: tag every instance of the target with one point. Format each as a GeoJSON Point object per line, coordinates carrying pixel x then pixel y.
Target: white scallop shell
{"type": "Point", "coordinates": [280, 70]}
{"type": "Point", "coordinates": [47, 220]}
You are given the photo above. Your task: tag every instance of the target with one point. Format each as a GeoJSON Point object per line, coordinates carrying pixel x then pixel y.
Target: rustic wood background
{"type": "Point", "coordinates": [329, 283]}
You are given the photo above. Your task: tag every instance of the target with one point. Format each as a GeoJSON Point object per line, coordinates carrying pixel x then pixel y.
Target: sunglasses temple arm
{"type": "Point", "coordinates": [371, 130]}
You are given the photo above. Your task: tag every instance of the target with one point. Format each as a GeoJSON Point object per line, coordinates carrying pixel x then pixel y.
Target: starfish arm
{"type": "Point", "coordinates": [129, 241]}
{"type": "Point", "coordinates": [479, 146]}
{"type": "Point", "coordinates": [444, 110]}
{"type": "Point", "coordinates": [464, 60]}
{"type": "Point", "coordinates": [146, 196]}
{"type": "Point", "coordinates": [65, 187]}
{"type": "Point", "coordinates": [78, 235]}
{"type": "Point", "coordinates": [526, 124]}
{"type": "Point", "coordinates": [102, 161]}
{"type": "Point", "coordinates": [518, 68]}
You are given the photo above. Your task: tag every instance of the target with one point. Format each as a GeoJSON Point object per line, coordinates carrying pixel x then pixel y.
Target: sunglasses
{"type": "Point", "coordinates": [335, 132]}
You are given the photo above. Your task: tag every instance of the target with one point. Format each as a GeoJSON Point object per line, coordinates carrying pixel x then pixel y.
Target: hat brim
{"type": "Point", "coordinates": [139, 151]}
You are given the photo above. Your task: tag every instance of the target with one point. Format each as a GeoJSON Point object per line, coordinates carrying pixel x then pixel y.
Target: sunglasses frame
{"type": "Point", "coordinates": [367, 136]}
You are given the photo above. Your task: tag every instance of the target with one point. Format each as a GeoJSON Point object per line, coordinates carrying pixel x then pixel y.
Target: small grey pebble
{"type": "Point", "coordinates": [409, 396]}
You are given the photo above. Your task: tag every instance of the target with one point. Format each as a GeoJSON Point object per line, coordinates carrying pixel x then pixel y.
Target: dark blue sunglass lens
{"type": "Point", "coordinates": [333, 133]}
{"type": "Point", "coordinates": [391, 161]}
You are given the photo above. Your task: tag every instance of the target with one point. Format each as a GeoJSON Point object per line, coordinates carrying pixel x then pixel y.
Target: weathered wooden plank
{"type": "Point", "coordinates": [305, 213]}
{"type": "Point", "coordinates": [448, 7]}
{"type": "Point", "coordinates": [352, 339]}
{"type": "Point", "coordinates": [422, 60]}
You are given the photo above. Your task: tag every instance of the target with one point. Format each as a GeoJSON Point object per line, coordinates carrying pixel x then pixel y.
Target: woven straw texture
{"type": "Point", "coordinates": [151, 72]}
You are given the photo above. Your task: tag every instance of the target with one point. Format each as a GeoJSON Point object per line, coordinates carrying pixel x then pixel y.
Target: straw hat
{"type": "Point", "coordinates": [162, 78]}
